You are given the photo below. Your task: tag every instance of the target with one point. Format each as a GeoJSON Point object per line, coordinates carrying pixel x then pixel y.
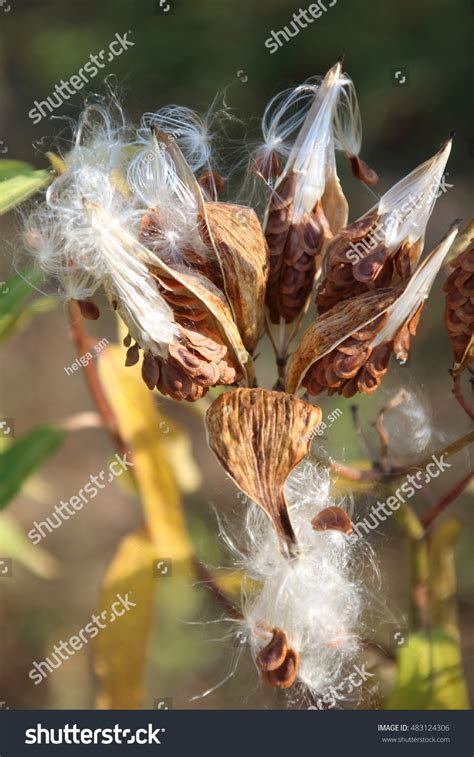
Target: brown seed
{"type": "Point", "coordinates": [332, 519]}
{"type": "Point", "coordinates": [212, 183]}
{"type": "Point", "coordinates": [133, 354]}
{"type": "Point", "coordinates": [362, 171]}
{"type": "Point", "coordinates": [284, 676]}
{"type": "Point", "coordinates": [267, 166]}
{"type": "Point", "coordinates": [150, 370]}
{"type": "Point", "coordinates": [273, 655]}
{"type": "Point", "coordinates": [89, 310]}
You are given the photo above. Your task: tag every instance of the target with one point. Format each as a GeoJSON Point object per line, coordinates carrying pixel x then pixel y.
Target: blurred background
{"type": "Point", "coordinates": [186, 56]}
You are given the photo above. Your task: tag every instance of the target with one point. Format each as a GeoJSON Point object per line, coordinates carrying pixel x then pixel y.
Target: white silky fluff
{"type": "Point", "coordinates": [406, 208]}
{"type": "Point", "coordinates": [347, 119]}
{"type": "Point", "coordinates": [415, 292]}
{"type": "Point", "coordinates": [85, 232]}
{"type": "Point", "coordinates": [316, 598]}
{"type": "Point", "coordinates": [193, 133]}
{"type": "Point", "coordinates": [154, 181]}
{"type": "Point", "coordinates": [283, 117]}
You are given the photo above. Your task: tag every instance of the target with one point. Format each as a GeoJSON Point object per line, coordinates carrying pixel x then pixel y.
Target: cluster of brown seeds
{"type": "Point", "coordinates": [355, 365]}
{"type": "Point", "coordinates": [199, 360]}
{"type": "Point", "coordinates": [459, 309]}
{"type": "Point", "coordinates": [293, 251]}
{"type": "Point", "coordinates": [374, 266]}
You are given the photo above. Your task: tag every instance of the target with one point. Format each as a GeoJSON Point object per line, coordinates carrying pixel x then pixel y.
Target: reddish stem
{"type": "Point", "coordinates": [83, 342]}
{"type": "Point", "coordinates": [428, 517]}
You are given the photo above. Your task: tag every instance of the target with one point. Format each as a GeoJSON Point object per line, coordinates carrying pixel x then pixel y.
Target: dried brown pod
{"type": "Point", "coordinates": [235, 233]}
{"type": "Point", "coordinates": [347, 349]}
{"type": "Point", "coordinates": [306, 208]}
{"type": "Point", "coordinates": [259, 436]}
{"type": "Point", "coordinates": [274, 653]}
{"type": "Point", "coordinates": [459, 307]}
{"type": "Point", "coordinates": [332, 519]}
{"type": "Point", "coordinates": [285, 675]}
{"type": "Point", "coordinates": [384, 246]}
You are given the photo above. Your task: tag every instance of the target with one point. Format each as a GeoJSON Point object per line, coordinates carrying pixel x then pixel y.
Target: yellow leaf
{"type": "Point", "coordinates": [120, 648]}
{"type": "Point", "coordinates": [443, 576]}
{"type": "Point", "coordinates": [139, 424]}
{"type": "Point", "coordinates": [15, 544]}
{"type": "Point", "coordinates": [177, 446]}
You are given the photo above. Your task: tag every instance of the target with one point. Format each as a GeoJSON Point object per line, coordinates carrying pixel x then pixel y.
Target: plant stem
{"type": "Point", "coordinates": [457, 391]}
{"type": "Point", "coordinates": [83, 342]}
{"type": "Point", "coordinates": [428, 517]}
{"type": "Point", "coordinates": [373, 474]}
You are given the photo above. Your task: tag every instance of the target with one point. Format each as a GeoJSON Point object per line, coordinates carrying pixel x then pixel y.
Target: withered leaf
{"type": "Point", "coordinates": [259, 436]}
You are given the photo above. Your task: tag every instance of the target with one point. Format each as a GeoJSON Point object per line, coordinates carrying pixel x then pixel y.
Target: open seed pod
{"type": "Point", "coordinates": [385, 244]}
{"type": "Point", "coordinates": [235, 233]}
{"type": "Point", "coordinates": [306, 208]}
{"type": "Point", "coordinates": [459, 307]}
{"type": "Point", "coordinates": [259, 436]}
{"type": "Point", "coordinates": [205, 350]}
{"type": "Point", "coordinates": [347, 350]}
{"type": "Point", "coordinates": [229, 249]}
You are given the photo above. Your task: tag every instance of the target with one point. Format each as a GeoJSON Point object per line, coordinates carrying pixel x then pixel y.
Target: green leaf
{"type": "Point", "coordinates": [23, 457]}
{"type": "Point", "coordinates": [17, 189]}
{"type": "Point", "coordinates": [15, 544]}
{"type": "Point", "coordinates": [15, 314]}
{"type": "Point", "coordinates": [15, 322]}
{"type": "Point", "coordinates": [429, 674]}
{"type": "Point", "coordinates": [11, 168]}
{"type": "Point", "coordinates": [16, 288]}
